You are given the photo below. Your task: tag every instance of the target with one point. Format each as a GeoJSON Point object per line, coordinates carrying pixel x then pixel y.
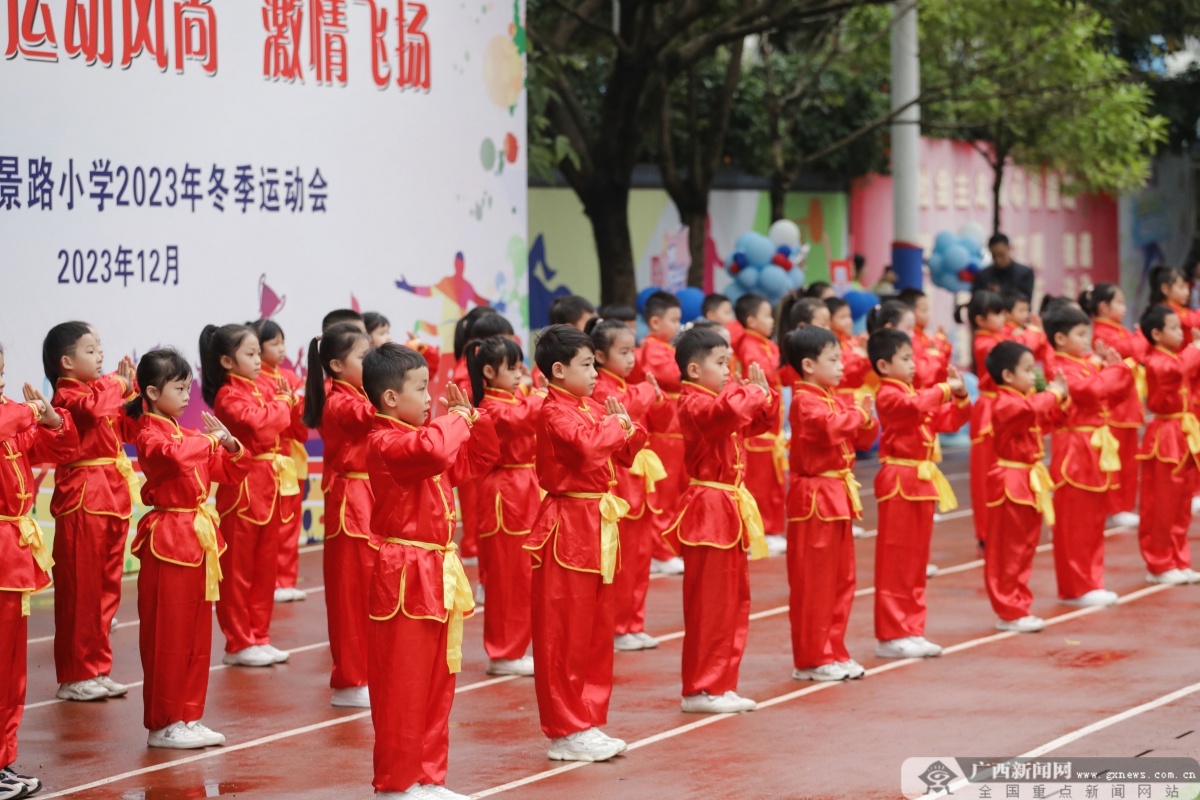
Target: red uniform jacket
{"type": "Point", "coordinates": [260, 422]}
{"type": "Point", "coordinates": [932, 356]}
{"type": "Point", "coordinates": [412, 471]}
{"type": "Point", "coordinates": [981, 422]}
{"type": "Point", "coordinates": [1169, 377]}
{"type": "Point", "coordinates": [24, 443]}
{"type": "Point", "coordinates": [657, 358]}
{"type": "Point", "coordinates": [910, 422]}
{"type": "Point", "coordinates": [1035, 339]}
{"type": "Point", "coordinates": [824, 433]}
{"type": "Point", "coordinates": [98, 488]}
{"type": "Point", "coordinates": [347, 419]}
{"type": "Point", "coordinates": [758, 349]}
{"type": "Point", "coordinates": [577, 449]}
{"type": "Point", "coordinates": [1073, 457]}
{"type": "Point", "coordinates": [1127, 411]}
{"type": "Point", "coordinates": [509, 494]}
{"type": "Point", "coordinates": [295, 437]}
{"type": "Point", "coordinates": [180, 465]}
{"type": "Point", "coordinates": [855, 368]}
{"type": "Point", "coordinates": [431, 352]}
{"type": "Point", "coordinates": [646, 408]}
{"type": "Point", "coordinates": [714, 429]}
{"type": "Point", "coordinates": [1020, 423]}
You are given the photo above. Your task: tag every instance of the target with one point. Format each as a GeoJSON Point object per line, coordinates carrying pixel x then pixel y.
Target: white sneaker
{"type": "Point", "coordinates": [32, 785]}
{"type": "Point", "coordinates": [628, 641]}
{"type": "Point", "coordinates": [432, 790]}
{"type": "Point", "coordinates": [11, 789]}
{"type": "Point", "coordinates": [211, 738]}
{"type": "Point", "coordinates": [908, 647]}
{"type": "Point", "coordinates": [1125, 519]}
{"type": "Point", "coordinates": [176, 736]}
{"type": "Point", "coordinates": [1027, 624]}
{"type": "Point", "coordinates": [931, 570]}
{"type": "Point", "coordinates": [83, 691]}
{"type": "Point", "coordinates": [705, 703]}
{"type": "Point", "coordinates": [283, 595]}
{"type": "Point", "coordinates": [1192, 575]}
{"type": "Point", "coordinates": [583, 746]}
{"type": "Point", "coordinates": [672, 566]}
{"type": "Point", "coordinates": [648, 641]}
{"type": "Point", "coordinates": [522, 666]}
{"type": "Point", "coordinates": [1096, 597]}
{"type": "Point", "coordinates": [479, 595]}
{"type": "Point", "coordinates": [298, 594]}
{"type": "Point", "coordinates": [252, 656]}
{"type": "Point", "coordinates": [1196, 505]}
{"type": "Point", "coordinates": [858, 531]}
{"type": "Point", "coordinates": [351, 697]}
{"type": "Point", "coordinates": [278, 656]}
{"type": "Point", "coordinates": [596, 734]}
{"type": "Point", "coordinates": [470, 561]}
{"type": "Point", "coordinates": [112, 626]}
{"type": "Point", "coordinates": [776, 544]}
{"type": "Point", "coordinates": [931, 650]}
{"type": "Point", "coordinates": [414, 792]}
{"type": "Point", "coordinates": [825, 672]}
{"type": "Point", "coordinates": [113, 688]}
{"type": "Point", "coordinates": [938, 517]}
{"type": "Point", "coordinates": [1174, 577]}
{"type": "Point", "coordinates": [853, 669]}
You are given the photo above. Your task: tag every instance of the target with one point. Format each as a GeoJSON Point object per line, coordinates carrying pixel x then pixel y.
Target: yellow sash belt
{"type": "Point", "coordinates": [612, 509]}
{"type": "Point", "coordinates": [356, 476]}
{"type": "Point", "coordinates": [1040, 483]}
{"type": "Point", "coordinates": [748, 509]}
{"type": "Point", "coordinates": [31, 537]}
{"type": "Point", "coordinates": [779, 451]}
{"type": "Point", "coordinates": [1191, 429]}
{"type": "Point", "coordinates": [285, 472]}
{"type": "Point", "coordinates": [929, 471]}
{"type": "Point", "coordinates": [124, 466]}
{"type": "Point", "coordinates": [852, 486]}
{"type": "Point", "coordinates": [1139, 378]}
{"type": "Point", "coordinates": [648, 466]}
{"type": "Point", "coordinates": [205, 524]}
{"type": "Point", "coordinates": [456, 596]}
{"type": "Point", "coordinates": [1103, 441]}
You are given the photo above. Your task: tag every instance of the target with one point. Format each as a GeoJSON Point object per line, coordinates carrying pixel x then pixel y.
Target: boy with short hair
{"type": "Point", "coordinates": [931, 353]}
{"type": "Point", "coordinates": [1019, 328]}
{"type": "Point", "coordinates": [571, 310]}
{"type": "Point", "coordinates": [576, 547]}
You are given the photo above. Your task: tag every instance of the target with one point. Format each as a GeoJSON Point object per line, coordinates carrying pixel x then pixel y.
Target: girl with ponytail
{"type": "Point", "coordinates": [985, 313]}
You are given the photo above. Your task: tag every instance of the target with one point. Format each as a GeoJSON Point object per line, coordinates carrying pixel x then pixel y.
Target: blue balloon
{"type": "Point", "coordinates": [956, 258]}
{"type": "Point", "coordinates": [796, 277]}
{"type": "Point", "coordinates": [935, 262]}
{"type": "Point", "coordinates": [642, 295]}
{"type": "Point", "coordinates": [690, 300]}
{"type": "Point", "coordinates": [973, 247]}
{"type": "Point", "coordinates": [759, 249]}
{"type": "Point", "coordinates": [784, 250]}
{"type": "Point", "coordinates": [773, 283]}
{"type": "Point", "coordinates": [733, 291]}
{"type": "Point", "coordinates": [747, 278]}
{"type": "Point", "coordinates": [860, 303]}
{"type": "Point", "coordinates": [944, 240]}
{"type": "Point", "coordinates": [740, 259]}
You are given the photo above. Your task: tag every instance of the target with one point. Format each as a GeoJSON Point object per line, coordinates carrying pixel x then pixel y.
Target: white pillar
{"type": "Point", "coordinates": [906, 141]}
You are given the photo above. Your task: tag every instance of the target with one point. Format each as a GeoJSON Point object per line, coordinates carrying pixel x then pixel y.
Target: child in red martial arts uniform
{"type": "Point", "coordinates": [822, 501]}
{"type": "Point", "coordinates": [571, 310]}
{"type": "Point", "coordinates": [1085, 460]}
{"type": "Point", "coordinates": [274, 351]}
{"type": "Point", "coordinates": [985, 313]}
{"type": "Point", "coordinates": [576, 547]}
{"type": "Point", "coordinates": [1020, 326]}
{"type": "Point", "coordinates": [94, 494]}
{"type": "Point", "coordinates": [646, 405]}
{"type": "Point", "coordinates": [179, 543]}
{"type": "Point", "coordinates": [1105, 304]}
{"type": "Point", "coordinates": [855, 365]}
{"type": "Point", "coordinates": [419, 591]}
{"type": "Point", "coordinates": [252, 511]}
{"type": "Point", "coordinates": [931, 353]}
{"type": "Point", "coordinates": [908, 486]}
{"type": "Point", "coordinates": [656, 356]}
{"type": "Point", "coordinates": [508, 501]}
{"type": "Point", "coordinates": [344, 416]}
{"type": "Point", "coordinates": [1018, 485]}
{"type": "Point", "coordinates": [766, 454]}
{"type": "Point", "coordinates": [32, 432]}
{"type": "Point", "coordinates": [719, 521]}
{"type": "Point", "coordinates": [1170, 449]}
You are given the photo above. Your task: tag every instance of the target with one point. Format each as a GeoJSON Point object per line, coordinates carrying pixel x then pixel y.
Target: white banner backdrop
{"type": "Point", "coordinates": [170, 163]}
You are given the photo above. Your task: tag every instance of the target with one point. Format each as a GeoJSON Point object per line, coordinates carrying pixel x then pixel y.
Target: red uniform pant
{"type": "Point", "coordinates": [468, 514]}
{"type": "Point", "coordinates": [668, 491]}
{"type": "Point", "coordinates": [572, 648]}
{"type": "Point", "coordinates": [412, 691]}
{"type": "Point", "coordinates": [175, 638]}
{"type": "Point", "coordinates": [632, 581]}
{"type": "Point", "coordinates": [249, 565]}
{"type": "Point", "coordinates": [1008, 557]}
{"type": "Point", "coordinates": [507, 623]}
{"type": "Point", "coordinates": [1125, 497]}
{"type": "Point", "coordinates": [716, 617]}
{"type": "Point", "coordinates": [1166, 515]}
{"type": "Point", "coordinates": [1079, 540]}
{"type": "Point", "coordinates": [349, 562]}
{"type": "Point", "coordinates": [765, 484]}
{"type": "Point", "coordinates": [901, 556]}
{"type": "Point", "coordinates": [821, 577]}
{"type": "Point", "coordinates": [14, 630]}
{"type": "Point", "coordinates": [289, 541]}
{"type": "Point", "coordinates": [982, 457]}
{"type": "Point", "coordinates": [89, 558]}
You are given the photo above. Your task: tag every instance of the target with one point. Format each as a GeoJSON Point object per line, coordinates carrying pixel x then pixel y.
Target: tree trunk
{"type": "Point", "coordinates": [997, 181]}
{"type": "Point", "coordinates": [608, 210]}
{"type": "Point", "coordinates": [779, 187]}
{"type": "Point", "coordinates": [696, 220]}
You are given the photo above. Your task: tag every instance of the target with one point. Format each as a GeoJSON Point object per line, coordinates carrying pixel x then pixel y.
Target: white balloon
{"type": "Point", "coordinates": [784, 231]}
{"type": "Point", "coordinates": [973, 231]}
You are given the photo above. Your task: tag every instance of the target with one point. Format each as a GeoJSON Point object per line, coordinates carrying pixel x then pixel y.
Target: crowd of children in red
{"type": "Point", "coordinates": [575, 480]}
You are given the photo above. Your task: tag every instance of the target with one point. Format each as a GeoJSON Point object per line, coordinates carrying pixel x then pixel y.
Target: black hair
{"type": "Point", "coordinates": [835, 304]}
{"type": "Point", "coordinates": [860, 262]}
{"type": "Point", "coordinates": [462, 328]}
{"type": "Point", "coordinates": [59, 342]}
{"type": "Point", "coordinates": [1010, 299]}
{"type": "Point", "coordinates": [1154, 319]}
{"type": "Point", "coordinates": [747, 306]}
{"type": "Point", "coordinates": [656, 305]}
{"type": "Point", "coordinates": [386, 367]}
{"type": "Point", "coordinates": [883, 345]}
{"type": "Point", "coordinates": [494, 352]}
{"type": "Point", "coordinates": [886, 315]}
{"type": "Point", "coordinates": [340, 315]}
{"type": "Point", "coordinates": [981, 304]}
{"type": "Point", "coordinates": [490, 325]}
{"type": "Point", "coordinates": [1163, 276]}
{"type": "Point", "coordinates": [157, 368]}
{"type": "Point", "coordinates": [712, 302]}
{"type": "Point", "coordinates": [997, 238]}
{"type": "Point", "coordinates": [804, 311]}
{"type": "Point", "coordinates": [694, 345]}
{"type": "Point", "coordinates": [265, 329]}
{"type": "Point", "coordinates": [910, 296]}
{"type": "Point", "coordinates": [373, 320]}
{"type": "Point", "coordinates": [570, 309]}
{"type": "Point", "coordinates": [1053, 301]}
{"type": "Point", "coordinates": [1063, 319]}
{"type": "Point", "coordinates": [1004, 356]}
{"type": "Point", "coordinates": [618, 311]}
{"type": "Point", "coordinates": [807, 342]}
{"type": "Point", "coordinates": [335, 344]}
{"type": "Point", "coordinates": [817, 288]}
{"type": "Point", "coordinates": [214, 343]}
{"type": "Point", "coordinates": [1090, 299]}
{"type": "Point", "coordinates": [559, 344]}
{"type": "Point", "coordinates": [708, 325]}
{"type": "Point", "coordinates": [605, 331]}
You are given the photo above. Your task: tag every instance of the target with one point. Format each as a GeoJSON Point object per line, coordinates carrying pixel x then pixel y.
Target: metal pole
{"type": "Point", "coordinates": [906, 142]}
